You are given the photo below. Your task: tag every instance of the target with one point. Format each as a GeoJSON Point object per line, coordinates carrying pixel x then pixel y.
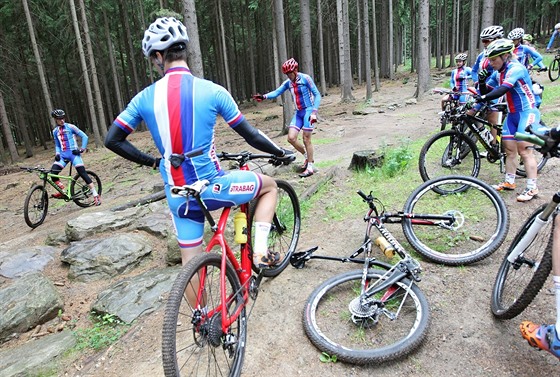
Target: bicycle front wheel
{"type": "Point", "coordinates": [518, 283]}
{"type": "Point", "coordinates": [36, 206]}
{"type": "Point", "coordinates": [193, 342]}
{"type": "Point", "coordinates": [391, 327]}
{"type": "Point", "coordinates": [449, 153]}
{"type": "Point", "coordinates": [554, 70]}
{"type": "Point", "coordinates": [80, 191]}
{"type": "Point", "coordinates": [479, 225]}
{"type": "Point", "coordinates": [285, 229]}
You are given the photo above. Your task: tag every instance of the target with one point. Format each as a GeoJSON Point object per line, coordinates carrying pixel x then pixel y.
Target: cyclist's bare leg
{"type": "Point", "coordinates": [308, 145]}
{"type": "Point", "coordinates": [267, 200]}
{"type": "Point", "coordinates": [510, 147]}
{"type": "Point", "coordinates": [528, 157]}
{"type": "Point", "coordinates": [293, 139]}
{"type": "Point", "coordinates": [492, 117]}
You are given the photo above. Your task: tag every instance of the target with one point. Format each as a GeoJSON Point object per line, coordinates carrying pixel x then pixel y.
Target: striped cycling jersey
{"type": "Point", "coordinates": [65, 138]}
{"type": "Point", "coordinates": [480, 64]}
{"type": "Point", "coordinates": [304, 92]}
{"type": "Point", "coordinates": [180, 111]}
{"type": "Point", "coordinates": [515, 76]}
{"type": "Point", "coordinates": [460, 78]}
{"type": "Point", "coordinates": [523, 53]}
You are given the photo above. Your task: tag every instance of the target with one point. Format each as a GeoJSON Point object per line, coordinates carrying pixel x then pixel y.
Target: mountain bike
{"type": "Point", "coordinates": [36, 202]}
{"type": "Point", "coordinates": [554, 67]}
{"type": "Point", "coordinates": [450, 105]}
{"type": "Point", "coordinates": [205, 320]}
{"type": "Point", "coordinates": [378, 313]}
{"type": "Point", "coordinates": [454, 151]}
{"type": "Point", "coordinates": [528, 260]}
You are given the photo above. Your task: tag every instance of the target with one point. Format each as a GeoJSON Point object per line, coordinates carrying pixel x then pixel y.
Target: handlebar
{"type": "Point", "coordinates": [546, 144]}
{"type": "Point", "coordinates": [36, 168]}
{"type": "Point", "coordinates": [243, 157]}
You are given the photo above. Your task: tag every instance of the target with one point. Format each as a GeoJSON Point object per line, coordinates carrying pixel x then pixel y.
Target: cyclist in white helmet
{"type": "Point", "coordinates": [459, 80]}
{"type": "Point", "coordinates": [524, 53]}
{"type": "Point", "coordinates": [553, 36]}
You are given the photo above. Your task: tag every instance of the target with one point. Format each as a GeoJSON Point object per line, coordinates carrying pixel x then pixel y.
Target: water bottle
{"type": "Point", "coordinates": [486, 135]}
{"type": "Point", "coordinates": [385, 247]}
{"type": "Point", "coordinates": [240, 226]}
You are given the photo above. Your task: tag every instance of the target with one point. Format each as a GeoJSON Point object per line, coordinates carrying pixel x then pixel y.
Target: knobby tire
{"type": "Point", "coordinates": [35, 206]}
{"type": "Point", "coordinates": [80, 191]}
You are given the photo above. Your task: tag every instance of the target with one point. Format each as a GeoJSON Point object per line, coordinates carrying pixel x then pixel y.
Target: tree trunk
{"type": "Point", "coordinates": [7, 131]}
{"type": "Point", "coordinates": [283, 56]}
{"type": "Point", "coordinates": [367, 57]}
{"type": "Point", "coordinates": [112, 63]}
{"type": "Point", "coordinates": [224, 46]}
{"type": "Point", "coordinates": [474, 31]}
{"type": "Point", "coordinates": [321, 49]}
{"type": "Point", "coordinates": [423, 71]}
{"type": "Point", "coordinates": [487, 18]}
{"type": "Point", "coordinates": [375, 51]}
{"type": "Point", "coordinates": [193, 47]}
{"type": "Point", "coordinates": [391, 42]}
{"type": "Point", "coordinates": [306, 47]}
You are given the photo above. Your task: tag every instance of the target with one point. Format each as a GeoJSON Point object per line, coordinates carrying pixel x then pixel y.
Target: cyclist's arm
{"type": "Point", "coordinates": [278, 91]}
{"type": "Point", "coordinates": [116, 142]}
{"type": "Point", "coordinates": [316, 94]}
{"type": "Point", "coordinates": [257, 139]}
{"type": "Point", "coordinates": [57, 146]}
{"type": "Point", "coordinates": [537, 58]}
{"type": "Point", "coordinates": [494, 93]}
{"type": "Point", "coordinates": [82, 136]}
{"type": "Point", "coordinates": [552, 37]}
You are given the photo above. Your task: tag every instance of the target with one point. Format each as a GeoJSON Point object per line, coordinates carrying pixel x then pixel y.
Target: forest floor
{"type": "Point", "coordinates": [463, 340]}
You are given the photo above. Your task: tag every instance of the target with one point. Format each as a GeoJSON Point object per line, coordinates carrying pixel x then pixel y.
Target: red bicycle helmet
{"type": "Point", "coordinates": [289, 66]}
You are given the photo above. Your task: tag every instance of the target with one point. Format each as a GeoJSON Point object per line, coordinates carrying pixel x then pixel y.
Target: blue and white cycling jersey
{"type": "Point", "coordinates": [172, 108]}
{"type": "Point", "coordinates": [515, 76]}
{"type": "Point", "coordinates": [65, 138]}
{"type": "Point", "coordinates": [480, 64]}
{"type": "Point", "coordinates": [460, 81]}
{"type": "Point", "coordinates": [304, 92]}
{"type": "Point", "coordinates": [523, 53]}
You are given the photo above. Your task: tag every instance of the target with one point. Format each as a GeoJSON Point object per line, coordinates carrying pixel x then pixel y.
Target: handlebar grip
{"type": "Point", "coordinates": [359, 192]}
{"type": "Point", "coordinates": [530, 138]}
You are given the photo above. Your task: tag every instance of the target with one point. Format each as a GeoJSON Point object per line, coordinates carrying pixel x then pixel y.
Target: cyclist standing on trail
{"type": "Point", "coordinates": [481, 69]}
{"type": "Point", "coordinates": [66, 149]}
{"type": "Point", "coordinates": [511, 78]}
{"type": "Point", "coordinates": [180, 111]}
{"type": "Point", "coordinates": [547, 337]}
{"type": "Point", "coordinates": [459, 80]}
{"type": "Point", "coordinates": [307, 99]}
{"type": "Point", "coordinates": [553, 36]}
{"type": "Point", "coordinates": [522, 52]}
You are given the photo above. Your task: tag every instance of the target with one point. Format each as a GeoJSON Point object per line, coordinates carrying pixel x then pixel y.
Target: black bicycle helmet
{"type": "Point", "coordinates": [58, 113]}
{"type": "Point", "coordinates": [499, 47]}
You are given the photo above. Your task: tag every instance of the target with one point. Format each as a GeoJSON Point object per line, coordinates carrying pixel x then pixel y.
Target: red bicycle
{"type": "Point", "coordinates": [205, 321]}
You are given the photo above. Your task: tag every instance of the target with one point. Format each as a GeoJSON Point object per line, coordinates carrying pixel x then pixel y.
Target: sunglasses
{"type": "Point", "coordinates": [486, 40]}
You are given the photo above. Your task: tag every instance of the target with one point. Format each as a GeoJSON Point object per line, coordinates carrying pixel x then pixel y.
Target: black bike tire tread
{"type": "Point", "coordinates": [554, 67]}
{"type": "Point", "coordinates": [451, 260]}
{"type": "Point", "coordinates": [26, 206]}
{"type": "Point", "coordinates": [168, 344]}
{"type": "Point", "coordinates": [535, 284]}
{"type": "Point", "coordinates": [95, 178]}
{"type": "Point", "coordinates": [433, 139]}
{"type": "Point", "coordinates": [373, 356]}
{"type": "Point", "coordinates": [287, 187]}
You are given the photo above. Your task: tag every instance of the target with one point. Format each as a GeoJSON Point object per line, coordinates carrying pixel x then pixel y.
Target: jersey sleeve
{"type": "Point", "coordinates": [537, 58]}
{"type": "Point", "coordinates": [81, 134]}
{"type": "Point", "coordinates": [278, 91]}
{"type": "Point", "coordinates": [316, 94]}
{"type": "Point", "coordinates": [57, 147]}
{"type": "Point", "coordinates": [130, 118]}
{"type": "Point", "coordinates": [227, 108]}
{"type": "Point", "coordinates": [513, 75]}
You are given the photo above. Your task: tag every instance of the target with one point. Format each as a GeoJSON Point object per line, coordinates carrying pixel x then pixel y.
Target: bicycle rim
{"type": "Point", "coordinates": [448, 153]}
{"type": "Point", "coordinates": [477, 230]}
{"type": "Point", "coordinates": [285, 228]}
{"type": "Point", "coordinates": [518, 283]}
{"type": "Point", "coordinates": [372, 336]}
{"type": "Point", "coordinates": [193, 343]}
{"type": "Point", "coordinates": [36, 206]}
{"type": "Point", "coordinates": [553, 70]}
{"type": "Point", "coordinates": [80, 191]}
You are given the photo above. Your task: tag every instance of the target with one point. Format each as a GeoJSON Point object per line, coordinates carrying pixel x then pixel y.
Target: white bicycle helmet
{"type": "Point", "coordinates": [162, 34]}
{"type": "Point", "coordinates": [461, 56]}
{"type": "Point", "coordinates": [492, 32]}
{"type": "Point", "coordinates": [557, 26]}
{"type": "Point", "coordinates": [516, 33]}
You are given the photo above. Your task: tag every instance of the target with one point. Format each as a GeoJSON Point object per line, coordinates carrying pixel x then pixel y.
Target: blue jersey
{"type": "Point", "coordinates": [65, 138]}
{"type": "Point", "coordinates": [180, 111]}
{"type": "Point", "coordinates": [515, 76]}
{"type": "Point", "coordinates": [480, 64]}
{"type": "Point", "coordinates": [552, 37]}
{"type": "Point", "coordinates": [523, 53]}
{"type": "Point", "coordinates": [304, 92]}
{"type": "Point", "coordinates": [460, 78]}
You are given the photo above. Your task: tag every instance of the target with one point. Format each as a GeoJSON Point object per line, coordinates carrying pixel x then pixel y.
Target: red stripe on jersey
{"type": "Point", "coordinates": [174, 114]}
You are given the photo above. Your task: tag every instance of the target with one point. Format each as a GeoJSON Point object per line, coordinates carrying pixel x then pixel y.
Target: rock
{"type": "Point", "coordinates": [101, 259]}
{"type": "Point", "coordinates": [25, 261]}
{"type": "Point", "coordinates": [27, 302]}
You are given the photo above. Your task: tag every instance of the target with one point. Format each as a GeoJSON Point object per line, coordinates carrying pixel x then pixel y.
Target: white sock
{"type": "Point", "coordinates": [94, 192]}
{"type": "Point", "coordinates": [260, 246]}
{"type": "Point", "coordinates": [531, 183]}
{"type": "Point", "coordinates": [310, 166]}
{"type": "Point", "coordinates": [510, 178]}
{"type": "Point", "coordinates": [556, 280]}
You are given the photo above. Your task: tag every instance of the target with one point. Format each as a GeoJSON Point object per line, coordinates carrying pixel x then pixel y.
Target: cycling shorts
{"type": "Point", "coordinates": [231, 189]}
{"type": "Point", "coordinates": [67, 155]}
{"type": "Point", "coordinates": [517, 122]}
{"type": "Point", "coordinates": [300, 121]}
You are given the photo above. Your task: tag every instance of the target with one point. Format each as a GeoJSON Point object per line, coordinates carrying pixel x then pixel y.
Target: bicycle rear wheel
{"type": "Point", "coordinates": [386, 330]}
{"type": "Point", "coordinates": [80, 191]}
{"type": "Point", "coordinates": [285, 229]}
{"type": "Point", "coordinates": [541, 162]}
{"type": "Point", "coordinates": [518, 283]}
{"type": "Point", "coordinates": [449, 153]}
{"type": "Point", "coordinates": [480, 225]}
{"type": "Point", "coordinates": [193, 343]}
{"type": "Point", "coordinates": [554, 70]}
{"type": "Point", "coordinates": [36, 206]}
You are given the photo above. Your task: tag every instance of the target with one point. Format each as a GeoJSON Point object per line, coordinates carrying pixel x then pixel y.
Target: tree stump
{"type": "Point", "coordinates": [365, 159]}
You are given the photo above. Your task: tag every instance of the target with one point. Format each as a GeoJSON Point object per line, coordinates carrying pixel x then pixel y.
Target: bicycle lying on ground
{"type": "Point", "coordinates": [77, 190]}
{"type": "Point", "coordinates": [379, 313]}
{"type": "Point", "coordinates": [455, 151]}
{"type": "Point", "coordinates": [528, 260]}
{"type": "Point", "coordinates": [205, 321]}
{"type": "Point", "coordinates": [554, 67]}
